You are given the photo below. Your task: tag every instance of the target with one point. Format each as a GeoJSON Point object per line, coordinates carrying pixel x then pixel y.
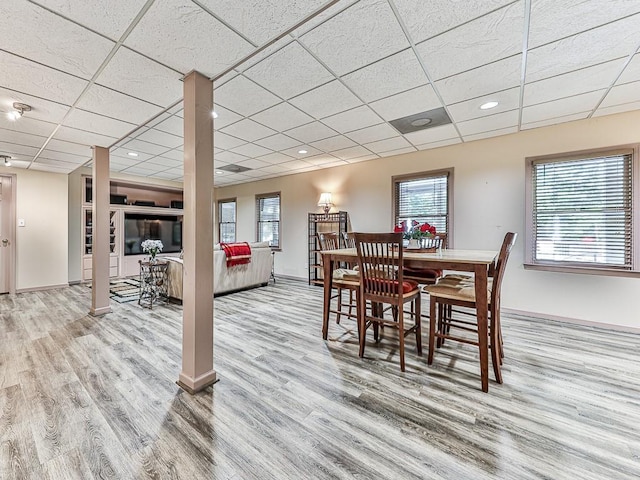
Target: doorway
{"type": "Point", "coordinates": [7, 233]}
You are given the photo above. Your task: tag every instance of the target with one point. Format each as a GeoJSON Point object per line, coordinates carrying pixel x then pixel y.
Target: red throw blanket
{"type": "Point", "coordinates": [237, 253]}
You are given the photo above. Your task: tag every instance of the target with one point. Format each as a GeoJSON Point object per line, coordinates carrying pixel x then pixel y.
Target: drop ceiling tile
{"type": "Point", "coordinates": [311, 132]}
{"type": "Point", "coordinates": [481, 81]}
{"type": "Point", "coordinates": [33, 79]}
{"type": "Point", "coordinates": [184, 37]}
{"type": "Point", "coordinates": [226, 142]}
{"type": "Point", "coordinates": [253, 163]}
{"type": "Point", "coordinates": [602, 44]}
{"type": "Point", "coordinates": [413, 101]}
{"type": "Point", "coordinates": [163, 175]}
{"type": "Point", "coordinates": [114, 104]}
{"type": "Point", "coordinates": [244, 97]}
{"type": "Point", "coordinates": [40, 109]}
{"type": "Point", "coordinates": [355, 119]}
{"type": "Point", "coordinates": [65, 157]}
{"type": "Point", "coordinates": [351, 153]}
{"type": "Point", "coordinates": [573, 83]}
{"type": "Point", "coordinates": [470, 109]}
{"type": "Point", "coordinates": [328, 13]}
{"type": "Point", "coordinates": [621, 94]}
{"type": "Point", "coordinates": [136, 75]}
{"type": "Point", "coordinates": [295, 165]}
{"type": "Point", "coordinates": [35, 33]}
{"type": "Point", "coordinates": [275, 169]}
{"type": "Point", "coordinates": [251, 150]}
{"type": "Point", "coordinates": [56, 163]}
{"type": "Point", "coordinates": [175, 154]}
{"type": "Point", "coordinates": [289, 72]}
{"type": "Point", "coordinates": [481, 41]}
{"type": "Point", "coordinates": [20, 163]}
{"type": "Point", "coordinates": [109, 18]}
{"type": "Point", "coordinates": [293, 152]}
{"type": "Point", "coordinates": [490, 134]}
{"type": "Point", "coordinates": [225, 117]}
{"type": "Point", "coordinates": [27, 125]}
{"type": "Point", "coordinates": [122, 153]}
{"type": "Point", "coordinates": [275, 158]}
{"type": "Point", "coordinates": [278, 142]}
{"type": "Point", "coordinates": [51, 168]}
{"type": "Point", "coordinates": [177, 110]}
{"type": "Point", "coordinates": [83, 137]}
{"type": "Point", "coordinates": [69, 147]}
{"type": "Point", "coordinates": [93, 122]}
{"type": "Point", "coordinates": [399, 151]}
{"type": "Point", "coordinates": [373, 133]}
{"type": "Point", "coordinates": [230, 157]}
{"type": "Point", "coordinates": [14, 136]}
{"type": "Point", "coordinates": [257, 58]}
{"type": "Point", "coordinates": [550, 20]}
{"type": "Point", "coordinates": [387, 77]}
{"type": "Point", "coordinates": [362, 34]}
{"type": "Point", "coordinates": [166, 162]}
{"type": "Point", "coordinates": [632, 72]}
{"type": "Point", "coordinates": [18, 151]}
{"type": "Point", "coordinates": [248, 130]}
{"type": "Point", "coordinates": [322, 159]}
{"type": "Point", "coordinates": [282, 117]}
{"type": "Point", "coordinates": [492, 122]}
{"type": "Point", "coordinates": [363, 159]}
{"type": "Point", "coordinates": [626, 107]}
{"type": "Point", "coordinates": [441, 143]}
{"type": "Point", "coordinates": [145, 147]}
{"type": "Point", "coordinates": [555, 121]}
{"type": "Point", "coordinates": [566, 106]}
{"type": "Point", "coordinates": [161, 138]}
{"type": "Point", "coordinates": [387, 145]}
{"type": "Point", "coordinates": [140, 170]}
{"type": "Point", "coordinates": [338, 142]}
{"type": "Point", "coordinates": [430, 135]}
{"type": "Point", "coordinates": [441, 15]}
{"type": "Point", "coordinates": [261, 21]}
{"type": "Point", "coordinates": [326, 100]}
{"type": "Point", "coordinates": [172, 124]}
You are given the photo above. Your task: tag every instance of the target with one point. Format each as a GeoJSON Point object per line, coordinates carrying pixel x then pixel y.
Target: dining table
{"type": "Point", "coordinates": [478, 262]}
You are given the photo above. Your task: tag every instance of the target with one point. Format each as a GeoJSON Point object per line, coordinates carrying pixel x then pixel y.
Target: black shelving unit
{"type": "Point", "coordinates": [320, 223]}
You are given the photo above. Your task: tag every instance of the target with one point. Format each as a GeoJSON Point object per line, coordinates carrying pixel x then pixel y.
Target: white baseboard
{"type": "Point", "coordinates": [575, 321]}
{"type": "Point", "coordinates": [38, 289]}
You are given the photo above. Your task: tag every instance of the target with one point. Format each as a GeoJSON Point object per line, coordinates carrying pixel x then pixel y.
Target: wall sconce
{"type": "Point", "coordinates": [18, 110]}
{"type": "Point", "coordinates": [325, 202]}
{"type": "Point", "coordinates": [6, 159]}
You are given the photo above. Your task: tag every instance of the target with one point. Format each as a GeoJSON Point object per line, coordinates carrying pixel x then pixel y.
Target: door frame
{"type": "Point", "coordinates": [12, 231]}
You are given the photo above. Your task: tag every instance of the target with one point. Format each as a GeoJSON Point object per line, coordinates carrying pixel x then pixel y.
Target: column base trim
{"type": "Point", "coordinates": [198, 384]}
{"type": "Point", "coordinates": [96, 312]}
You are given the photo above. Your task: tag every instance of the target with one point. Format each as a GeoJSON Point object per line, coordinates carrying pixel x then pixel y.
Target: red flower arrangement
{"type": "Point", "coordinates": [416, 231]}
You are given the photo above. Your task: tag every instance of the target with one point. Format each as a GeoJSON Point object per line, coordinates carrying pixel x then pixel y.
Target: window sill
{"type": "Point", "coordinates": [606, 272]}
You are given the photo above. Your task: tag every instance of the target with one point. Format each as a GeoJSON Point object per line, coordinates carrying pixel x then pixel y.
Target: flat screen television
{"type": "Point", "coordinates": [139, 227]}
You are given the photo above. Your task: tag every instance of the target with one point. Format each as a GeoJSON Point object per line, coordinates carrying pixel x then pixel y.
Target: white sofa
{"type": "Point", "coordinates": [226, 280]}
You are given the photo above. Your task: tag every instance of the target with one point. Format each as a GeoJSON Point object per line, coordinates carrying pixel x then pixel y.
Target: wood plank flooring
{"type": "Point", "coordinates": [88, 398]}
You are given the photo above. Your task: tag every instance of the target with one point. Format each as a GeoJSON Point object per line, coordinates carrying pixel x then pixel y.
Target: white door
{"type": "Point", "coordinates": [6, 234]}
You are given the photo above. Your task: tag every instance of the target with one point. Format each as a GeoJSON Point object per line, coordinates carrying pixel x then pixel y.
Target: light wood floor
{"type": "Point", "coordinates": [84, 398]}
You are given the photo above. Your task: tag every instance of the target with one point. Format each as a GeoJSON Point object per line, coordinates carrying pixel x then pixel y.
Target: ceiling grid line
{"type": "Point", "coordinates": [525, 49]}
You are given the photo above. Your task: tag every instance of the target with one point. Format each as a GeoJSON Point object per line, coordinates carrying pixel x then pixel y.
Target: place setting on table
{"type": "Point", "coordinates": [393, 269]}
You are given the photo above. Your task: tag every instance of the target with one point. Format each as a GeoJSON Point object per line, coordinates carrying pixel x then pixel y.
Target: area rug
{"type": "Point", "coordinates": [124, 290]}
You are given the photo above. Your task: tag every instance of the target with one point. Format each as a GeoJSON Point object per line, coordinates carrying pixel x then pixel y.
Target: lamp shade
{"type": "Point", "coordinates": [325, 199]}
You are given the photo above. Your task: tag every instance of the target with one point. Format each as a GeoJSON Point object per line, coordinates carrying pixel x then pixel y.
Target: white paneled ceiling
{"type": "Point", "coordinates": [302, 84]}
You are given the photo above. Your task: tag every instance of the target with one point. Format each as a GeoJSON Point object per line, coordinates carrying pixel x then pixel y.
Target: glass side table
{"type": "Point", "coordinates": [153, 283]}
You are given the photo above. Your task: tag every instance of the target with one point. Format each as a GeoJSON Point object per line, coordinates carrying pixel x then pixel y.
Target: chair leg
{"type": "Point", "coordinates": [432, 328]}
{"type": "Point", "coordinates": [441, 324]}
{"type": "Point", "coordinates": [351, 303]}
{"type": "Point", "coordinates": [400, 321]}
{"type": "Point", "coordinates": [363, 325]}
{"type": "Point", "coordinates": [418, 323]}
{"type": "Point", "coordinates": [339, 309]}
{"type": "Point", "coordinates": [494, 341]}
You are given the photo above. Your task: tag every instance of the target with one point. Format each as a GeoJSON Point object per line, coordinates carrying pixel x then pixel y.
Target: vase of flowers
{"type": "Point", "coordinates": [152, 247]}
{"type": "Point", "coordinates": [417, 235]}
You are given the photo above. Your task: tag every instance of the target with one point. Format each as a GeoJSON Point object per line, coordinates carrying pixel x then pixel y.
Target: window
{"type": "Point", "coordinates": [268, 215]}
{"type": "Point", "coordinates": [227, 220]}
{"type": "Point", "coordinates": [580, 210]}
{"type": "Point", "coordinates": [424, 197]}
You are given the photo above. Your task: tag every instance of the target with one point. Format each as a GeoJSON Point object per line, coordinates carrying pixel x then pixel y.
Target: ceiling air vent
{"type": "Point", "coordinates": [421, 121]}
{"type": "Point", "coordinates": [233, 168]}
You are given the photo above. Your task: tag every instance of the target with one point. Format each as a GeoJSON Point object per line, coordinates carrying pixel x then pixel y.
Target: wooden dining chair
{"type": "Point", "coordinates": [458, 290]}
{"type": "Point", "coordinates": [427, 276]}
{"type": "Point", "coordinates": [342, 279]}
{"type": "Point", "coordinates": [349, 240]}
{"type": "Point", "coordinates": [382, 282]}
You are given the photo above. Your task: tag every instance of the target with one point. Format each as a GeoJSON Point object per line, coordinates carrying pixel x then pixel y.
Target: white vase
{"type": "Point", "coordinates": [413, 243]}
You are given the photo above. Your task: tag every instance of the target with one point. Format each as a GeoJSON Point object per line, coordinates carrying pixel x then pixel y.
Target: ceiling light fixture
{"type": "Point", "coordinates": [488, 105]}
{"type": "Point", "coordinates": [421, 122]}
{"type": "Point", "coordinates": [18, 110]}
{"type": "Point", "coordinates": [132, 154]}
{"type": "Point", "coordinates": [219, 172]}
{"type": "Point", "coordinates": [302, 151]}
{"type": "Point", "coordinates": [214, 114]}
{"type": "Point", "coordinates": [7, 160]}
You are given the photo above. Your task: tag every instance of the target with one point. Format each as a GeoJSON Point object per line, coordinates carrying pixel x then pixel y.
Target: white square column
{"type": "Point", "coordinates": [100, 240]}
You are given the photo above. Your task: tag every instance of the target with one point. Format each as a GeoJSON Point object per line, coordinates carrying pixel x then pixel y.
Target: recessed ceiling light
{"type": "Point", "coordinates": [132, 154]}
{"type": "Point", "coordinates": [488, 105]}
{"type": "Point", "coordinates": [421, 122]}
{"type": "Point", "coordinates": [302, 151]}
{"type": "Point", "coordinates": [214, 114]}
{"type": "Point", "coordinates": [13, 115]}
{"type": "Point", "coordinates": [219, 172]}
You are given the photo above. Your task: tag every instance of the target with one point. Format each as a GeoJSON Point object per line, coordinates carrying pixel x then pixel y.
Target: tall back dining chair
{"type": "Point", "coordinates": [380, 257]}
{"type": "Point", "coordinates": [342, 279]}
{"type": "Point", "coordinates": [349, 239]}
{"type": "Point", "coordinates": [457, 290]}
{"type": "Point", "coordinates": [428, 276]}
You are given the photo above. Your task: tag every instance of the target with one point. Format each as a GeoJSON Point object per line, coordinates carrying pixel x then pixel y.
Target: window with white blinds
{"type": "Point", "coordinates": [268, 215]}
{"type": "Point", "coordinates": [582, 211]}
{"type": "Point", "coordinates": [227, 220]}
{"type": "Point", "coordinates": [423, 198]}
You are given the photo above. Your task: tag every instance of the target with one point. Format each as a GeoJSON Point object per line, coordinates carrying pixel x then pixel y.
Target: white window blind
{"type": "Point", "coordinates": [268, 215]}
{"type": "Point", "coordinates": [582, 211]}
{"type": "Point", "coordinates": [423, 199]}
{"type": "Point", "coordinates": [227, 220]}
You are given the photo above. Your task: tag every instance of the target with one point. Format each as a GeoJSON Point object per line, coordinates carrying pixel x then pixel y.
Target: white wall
{"type": "Point", "coordinates": [489, 200]}
{"type": "Point", "coordinates": [42, 244]}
